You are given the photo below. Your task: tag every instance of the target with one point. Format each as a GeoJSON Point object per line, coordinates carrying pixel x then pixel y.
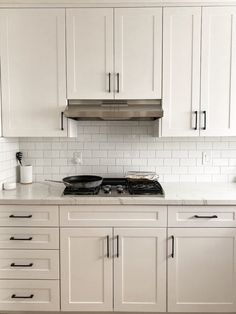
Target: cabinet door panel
{"type": "Point", "coordinates": [41, 264]}
{"type": "Point", "coordinates": [138, 46]}
{"type": "Point", "coordinates": [218, 94]}
{"type": "Point", "coordinates": [44, 295]}
{"type": "Point", "coordinates": [86, 271]}
{"type": "Point", "coordinates": [201, 275]}
{"type": "Point", "coordinates": [140, 270]}
{"type": "Point", "coordinates": [33, 71]}
{"type": "Point", "coordinates": [89, 53]}
{"type": "Point", "coordinates": [181, 71]}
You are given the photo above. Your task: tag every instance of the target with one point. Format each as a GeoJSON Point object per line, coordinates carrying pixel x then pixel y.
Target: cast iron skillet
{"type": "Point", "coordinates": [81, 182]}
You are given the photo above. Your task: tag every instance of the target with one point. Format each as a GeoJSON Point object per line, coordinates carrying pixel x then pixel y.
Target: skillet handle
{"type": "Point", "coordinates": [56, 181]}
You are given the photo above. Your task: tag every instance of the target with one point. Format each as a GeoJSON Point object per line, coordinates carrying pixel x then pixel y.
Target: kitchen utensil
{"type": "Point", "coordinates": [83, 181]}
{"type": "Point", "coordinates": [19, 156]}
{"type": "Point", "coordinates": [141, 175]}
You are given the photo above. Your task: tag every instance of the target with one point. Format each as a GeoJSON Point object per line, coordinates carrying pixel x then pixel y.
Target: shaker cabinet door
{"type": "Point", "coordinates": [89, 53]}
{"type": "Point", "coordinates": [181, 71]}
{"type": "Point", "coordinates": [201, 270]}
{"type": "Point", "coordinates": [218, 74]}
{"type": "Point", "coordinates": [138, 53]}
{"type": "Point", "coordinates": [33, 80]}
{"type": "Point", "coordinates": [86, 269]}
{"type": "Point", "coordinates": [140, 269]}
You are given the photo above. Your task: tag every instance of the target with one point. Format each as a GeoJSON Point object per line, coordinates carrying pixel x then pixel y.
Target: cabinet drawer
{"type": "Point", "coordinates": [113, 215]}
{"type": "Point", "coordinates": [27, 264]}
{"type": "Point", "coordinates": [28, 215]}
{"type": "Point", "coordinates": [202, 216]}
{"type": "Point", "coordinates": [29, 238]}
{"type": "Point", "coordinates": [29, 295]}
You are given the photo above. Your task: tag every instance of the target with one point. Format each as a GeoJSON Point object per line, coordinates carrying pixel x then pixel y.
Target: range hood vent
{"type": "Point", "coordinates": [114, 110]}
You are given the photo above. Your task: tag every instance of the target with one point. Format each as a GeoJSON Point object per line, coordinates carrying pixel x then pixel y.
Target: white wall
{"type": "Point", "coordinates": [8, 149]}
{"type": "Point", "coordinates": [112, 148]}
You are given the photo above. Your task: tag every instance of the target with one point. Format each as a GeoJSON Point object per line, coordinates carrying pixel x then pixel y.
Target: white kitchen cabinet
{"type": "Point", "coordinates": [140, 269]}
{"type": "Point", "coordinates": [107, 63]}
{"type": "Point", "coordinates": [201, 271]}
{"type": "Point", "coordinates": [133, 261]}
{"type": "Point", "coordinates": [181, 71]}
{"type": "Point", "coordinates": [29, 238]}
{"type": "Point", "coordinates": [112, 215]}
{"type": "Point", "coordinates": [29, 295]}
{"type": "Point", "coordinates": [197, 104]}
{"type": "Point", "coordinates": [89, 53]}
{"type": "Point", "coordinates": [29, 264]}
{"type": "Point", "coordinates": [138, 53]}
{"type": "Point", "coordinates": [218, 73]}
{"type": "Point", "coordinates": [86, 269]}
{"type": "Point", "coordinates": [33, 80]}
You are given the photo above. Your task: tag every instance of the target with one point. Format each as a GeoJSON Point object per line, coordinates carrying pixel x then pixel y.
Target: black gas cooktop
{"type": "Point", "coordinates": [120, 187]}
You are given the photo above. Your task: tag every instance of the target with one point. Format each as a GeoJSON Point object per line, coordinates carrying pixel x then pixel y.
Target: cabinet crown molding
{"type": "Point", "coordinates": [110, 3]}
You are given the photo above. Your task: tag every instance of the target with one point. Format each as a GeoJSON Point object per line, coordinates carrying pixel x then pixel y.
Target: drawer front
{"type": "Point", "coordinates": [27, 264]}
{"type": "Point", "coordinates": [29, 295]}
{"type": "Point", "coordinates": [28, 215]}
{"type": "Point", "coordinates": [201, 216]}
{"type": "Point", "coordinates": [115, 215]}
{"type": "Point", "coordinates": [29, 238]}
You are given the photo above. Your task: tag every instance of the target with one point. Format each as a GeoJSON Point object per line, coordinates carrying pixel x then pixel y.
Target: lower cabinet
{"type": "Point", "coordinates": [86, 269]}
{"type": "Point", "coordinates": [201, 270]}
{"type": "Point", "coordinates": [140, 269]}
{"type": "Point", "coordinates": [132, 260]}
{"type": "Point", "coordinates": [29, 295]}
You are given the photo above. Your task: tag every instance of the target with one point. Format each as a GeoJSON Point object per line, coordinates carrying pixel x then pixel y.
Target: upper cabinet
{"type": "Point", "coordinates": [218, 93]}
{"type": "Point", "coordinates": [138, 53]}
{"type": "Point", "coordinates": [89, 53]}
{"type": "Point", "coordinates": [114, 58]}
{"type": "Point", "coordinates": [32, 47]}
{"type": "Point", "coordinates": [199, 98]}
{"type": "Point", "coordinates": [181, 71]}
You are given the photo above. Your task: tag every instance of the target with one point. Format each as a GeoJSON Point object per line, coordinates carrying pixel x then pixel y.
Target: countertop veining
{"type": "Point", "coordinates": [175, 194]}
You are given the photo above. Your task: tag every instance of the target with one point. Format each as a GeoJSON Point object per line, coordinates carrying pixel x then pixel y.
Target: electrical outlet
{"type": "Point", "coordinates": [78, 158]}
{"type": "Point", "coordinates": [207, 158]}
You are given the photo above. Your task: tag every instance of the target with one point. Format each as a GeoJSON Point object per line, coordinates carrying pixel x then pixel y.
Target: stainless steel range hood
{"type": "Point", "coordinates": [114, 109]}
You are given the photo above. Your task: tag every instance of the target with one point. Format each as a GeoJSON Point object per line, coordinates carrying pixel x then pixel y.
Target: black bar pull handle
{"type": "Point", "coordinates": [196, 116]}
{"type": "Point", "coordinates": [209, 217]}
{"type": "Point", "coordinates": [14, 296]}
{"type": "Point", "coordinates": [108, 246]}
{"type": "Point", "coordinates": [109, 82]}
{"type": "Point", "coordinates": [117, 246]}
{"type": "Point", "coordinates": [118, 82]}
{"type": "Point", "coordinates": [172, 246]}
{"type": "Point", "coordinates": [21, 239]}
{"type": "Point", "coordinates": [22, 265]}
{"type": "Point", "coordinates": [205, 122]}
{"type": "Point", "coordinates": [20, 216]}
{"type": "Point", "coordinates": [62, 121]}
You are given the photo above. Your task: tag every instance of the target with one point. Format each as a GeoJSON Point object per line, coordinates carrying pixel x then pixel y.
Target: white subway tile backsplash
{"type": "Point", "coordinates": [171, 162]}
{"type": "Point", "coordinates": [8, 164]}
{"type": "Point", "coordinates": [180, 154]}
{"type": "Point", "coordinates": [99, 153]}
{"type": "Point", "coordinates": [108, 161]}
{"type": "Point", "coordinates": [188, 162]}
{"type": "Point", "coordinates": [113, 148]}
{"type": "Point", "coordinates": [155, 162]}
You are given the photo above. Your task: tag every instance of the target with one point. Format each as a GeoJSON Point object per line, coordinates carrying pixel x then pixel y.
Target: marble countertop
{"type": "Point", "coordinates": [175, 194]}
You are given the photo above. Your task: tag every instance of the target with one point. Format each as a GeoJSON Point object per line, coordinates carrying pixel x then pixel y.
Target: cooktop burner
{"type": "Point", "coordinates": [120, 187]}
